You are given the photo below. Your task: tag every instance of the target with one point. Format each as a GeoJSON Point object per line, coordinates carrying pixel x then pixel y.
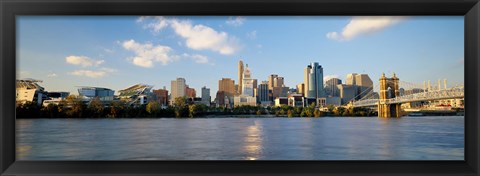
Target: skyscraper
{"type": "Point", "coordinates": [271, 80]}
{"type": "Point", "coordinates": [315, 81]}
{"type": "Point", "coordinates": [240, 77]}
{"type": "Point", "coordinates": [178, 88]}
{"type": "Point", "coordinates": [263, 92]}
{"type": "Point", "coordinates": [351, 79]}
{"type": "Point", "coordinates": [247, 82]}
{"type": "Point", "coordinates": [278, 82]}
{"type": "Point", "coordinates": [206, 99]}
{"type": "Point", "coordinates": [306, 79]}
{"type": "Point", "coordinates": [227, 85]}
{"type": "Point", "coordinates": [331, 88]}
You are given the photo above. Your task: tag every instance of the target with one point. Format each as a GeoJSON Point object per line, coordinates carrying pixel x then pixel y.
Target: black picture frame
{"type": "Point", "coordinates": [470, 9]}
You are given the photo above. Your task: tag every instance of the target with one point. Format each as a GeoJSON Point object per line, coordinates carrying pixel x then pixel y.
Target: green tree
{"type": "Point", "coordinates": [317, 113]}
{"type": "Point", "coordinates": [153, 108]}
{"type": "Point", "coordinates": [290, 113]}
{"type": "Point", "coordinates": [96, 106]}
{"type": "Point", "coordinates": [192, 110]}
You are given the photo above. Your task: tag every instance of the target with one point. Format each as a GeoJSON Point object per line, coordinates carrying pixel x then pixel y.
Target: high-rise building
{"type": "Point", "coordinates": [247, 97]}
{"type": "Point", "coordinates": [351, 79]}
{"type": "Point", "coordinates": [331, 88]}
{"type": "Point", "coordinates": [271, 80]}
{"type": "Point", "coordinates": [255, 83]}
{"type": "Point", "coordinates": [240, 77]}
{"type": "Point", "coordinates": [227, 85]}
{"type": "Point", "coordinates": [306, 73]}
{"type": "Point", "coordinates": [178, 88]}
{"type": "Point", "coordinates": [206, 98]}
{"type": "Point", "coordinates": [162, 96]}
{"type": "Point", "coordinates": [315, 81]}
{"type": "Point", "coordinates": [301, 88]}
{"type": "Point", "coordinates": [364, 84]}
{"type": "Point", "coordinates": [278, 82]}
{"type": "Point", "coordinates": [247, 82]}
{"type": "Point", "coordinates": [190, 92]}
{"type": "Point", "coordinates": [263, 92]}
{"type": "Point", "coordinates": [347, 92]}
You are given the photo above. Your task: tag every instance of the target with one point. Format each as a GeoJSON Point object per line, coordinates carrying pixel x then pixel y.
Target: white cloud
{"type": "Point", "coordinates": [200, 37]}
{"type": "Point", "coordinates": [83, 61]}
{"type": "Point", "coordinates": [364, 25]}
{"type": "Point", "coordinates": [89, 73]}
{"type": "Point", "coordinates": [51, 75]}
{"type": "Point", "coordinates": [155, 23]}
{"type": "Point", "coordinates": [197, 37]}
{"type": "Point", "coordinates": [328, 77]}
{"type": "Point", "coordinates": [252, 35]}
{"type": "Point", "coordinates": [235, 21]}
{"type": "Point", "coordinates": [197, 58]}
{"type": "Point", "coordinates": [146, 54]}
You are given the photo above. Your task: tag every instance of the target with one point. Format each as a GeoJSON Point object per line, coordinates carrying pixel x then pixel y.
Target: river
{"type": "Point", "coordinates": [260, 138]}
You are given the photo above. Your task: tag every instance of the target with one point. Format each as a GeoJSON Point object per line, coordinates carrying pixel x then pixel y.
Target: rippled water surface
{"type": "Point", "coordinates": [339, 138]}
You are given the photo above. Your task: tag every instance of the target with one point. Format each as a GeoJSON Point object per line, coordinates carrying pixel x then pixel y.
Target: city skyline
{"type": "Point", "coordinates": [117, 52]}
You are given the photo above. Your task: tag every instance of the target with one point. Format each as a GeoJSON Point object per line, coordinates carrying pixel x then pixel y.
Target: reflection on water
{"type": "Point", "coordinates": [253, 141]}
{"type": "Point", "coordinates": [407, 138]}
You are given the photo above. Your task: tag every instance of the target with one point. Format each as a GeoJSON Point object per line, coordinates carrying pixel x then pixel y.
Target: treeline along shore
{"type": "Point", "coordinates": [73, 107]}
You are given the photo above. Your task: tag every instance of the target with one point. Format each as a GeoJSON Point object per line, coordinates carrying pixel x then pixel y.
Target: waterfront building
{"type": "Point", "coordinates": [190, 92]}
{"type": "Point", "coordinates": [271, 81]}
{"type": "Point", "coordinates": [351, 79]}
{"type": "Point", "coordinates": [137, 94]}
{"type": "Point", "coordinates": [279, 101]}
{"type": "Point", "coordinates": [315, 81]}
{"type": "Point", "coordinates": [178, 88]}
{"type": "Point", "coordinates": [28, 90]}
{"type": "Point", "coordinates": [240, 77]}
{"type": "Point", "coordinates": [55, 98]}
{"type": "Point", "coordinates": [296, 100]}
{"type": "Point", "coordinates": [306, 79]}
{"type": "Point", "coordinates": [301, 88]}
{"type": "Point", "coordinates": [278, 81]}
{"type": "Point", "coordinates": [263, 95]}
{"type": "Point", "coordinates": [161, 96]}
{"type": "Point", "coordinates": [331, 88]}
{"type": "Point", "coordinates": [247, 97]}
{"type": "Point", "coordinates": [88, 93]}
{"type": "Point", "coordinates": [206, 98]}
{"type": "Point", "coordinates": [364, 84]}
{"type": "Point", "coordinates": [280, 91]}
{"type": "Point", "coordinates": [227, 85]}
{"type": "Point", "coordinates": [223, 99]}
{"type": "Point", "coordinates": [347, 92]}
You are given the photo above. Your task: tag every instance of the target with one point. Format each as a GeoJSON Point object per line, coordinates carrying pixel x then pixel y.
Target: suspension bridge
{"type": "Point", "coordinates": [389, 98]}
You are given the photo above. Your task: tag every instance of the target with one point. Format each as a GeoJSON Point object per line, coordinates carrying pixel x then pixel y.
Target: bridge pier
{"type": "Point", "coordinates": [389, 110]}
{"type": "Point", "coordinates": [389, 88]}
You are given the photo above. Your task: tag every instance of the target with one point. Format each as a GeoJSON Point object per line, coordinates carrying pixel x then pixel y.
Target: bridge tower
{"type": "Point", "coordinates": [389, 88]}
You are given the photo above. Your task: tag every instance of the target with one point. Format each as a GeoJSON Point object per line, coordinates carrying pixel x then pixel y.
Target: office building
{"type": "Point", "coordinates": [351, 79]}
{"type": "Point", "coordinates": [315, 81]}
{"type": "Point", "coordinates": [240, 77]}
{"type": "Point", "coordinates": [331, 88]}
{"type": "Point", "coordinates": [263, 95]}
{"type": "Point", "coordinates": [206, 98]}
{"type": "Point", "coordinates": [306, 73]}
{"type": "Point", "coordinates": [271, 80]}
{"type": "Point", "coordinates": [227, 85]}
{"type": "Point", "coordinates": [190, 92]}
{"type": "Point", "coordinates": [347, 92]}
{"type": "Point", "coordinates": [178, 88]}
{"type": "Point", "coordinates": [301, 88]}
{"type": "Point", "coordinates": [161, 96]}
{"type": "Point", "coordinates": [247, 97]}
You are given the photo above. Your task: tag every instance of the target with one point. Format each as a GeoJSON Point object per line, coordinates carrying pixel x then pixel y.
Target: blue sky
{"type": "Point", "coordinates": [119, 51]}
